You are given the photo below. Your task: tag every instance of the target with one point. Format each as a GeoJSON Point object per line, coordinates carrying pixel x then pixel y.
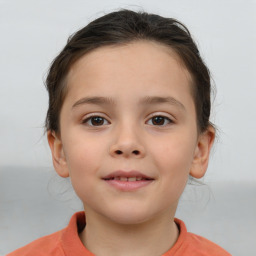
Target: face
{"type": "Point", "coordinates": [129, 133]}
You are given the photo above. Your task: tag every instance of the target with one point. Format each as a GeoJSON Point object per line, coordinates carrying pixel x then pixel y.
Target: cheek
{"type": "Point", "coordinates": [175, 156]}
{"type": "Point", "coordinates": [82, 161]}
{"type": "Point", "coordinates": [82, 158]}
{"type": "Point", "coordinates": [174, 160]}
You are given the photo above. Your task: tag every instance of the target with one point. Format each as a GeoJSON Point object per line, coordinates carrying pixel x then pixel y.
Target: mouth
{"type": "Point", "coordinates": [127, 176]}
{"type": "Point", "coordinates": [127, 181]}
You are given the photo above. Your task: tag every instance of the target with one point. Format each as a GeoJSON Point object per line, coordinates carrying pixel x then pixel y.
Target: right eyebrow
{"type": "Point", "coordinates": [94, 100]}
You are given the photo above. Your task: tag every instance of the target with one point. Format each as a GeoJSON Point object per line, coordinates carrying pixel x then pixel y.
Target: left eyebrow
{"type": "Point", "coordinates": [157, 99]}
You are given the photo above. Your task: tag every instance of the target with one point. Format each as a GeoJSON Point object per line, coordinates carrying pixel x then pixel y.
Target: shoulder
{"type": "Point", "coordinates": [194, 245]}
{"type": "Point", "coordinates": [61, 243]}
{"type": "Point", "coordinates": [47, 245]}
{"type": "Point", "coordinates": [203, 246]}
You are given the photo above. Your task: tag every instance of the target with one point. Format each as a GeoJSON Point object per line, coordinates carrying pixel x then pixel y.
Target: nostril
{"type": "Point", "coordinates": [136, 152]}
{"type": "Point", "coordinates": [119, 152]}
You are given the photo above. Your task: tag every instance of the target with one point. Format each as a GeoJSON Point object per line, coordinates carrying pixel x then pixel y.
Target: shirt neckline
{"type": "Point", "coordinates": [72, 245]}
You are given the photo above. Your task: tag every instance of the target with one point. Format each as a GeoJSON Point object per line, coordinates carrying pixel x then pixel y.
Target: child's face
{"type": "Point", "coordinates": [129, 108]}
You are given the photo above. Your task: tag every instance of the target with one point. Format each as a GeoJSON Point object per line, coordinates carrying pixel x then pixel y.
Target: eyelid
{"type": "Point", "coordinates": [152, 115]}
{"type": "Point", "coordinates": [162, 114]}
{"type": "Point", "coordinates": [90, 115]}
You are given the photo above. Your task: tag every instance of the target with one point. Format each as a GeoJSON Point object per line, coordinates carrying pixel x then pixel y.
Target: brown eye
{"type": "Point", "coordinates": [95, 121]}
{"type": "Point", "coordinates": [160, 120]}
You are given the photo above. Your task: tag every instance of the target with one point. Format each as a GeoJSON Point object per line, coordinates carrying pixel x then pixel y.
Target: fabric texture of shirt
{"type": "Point", "coordinates": [66, 242]}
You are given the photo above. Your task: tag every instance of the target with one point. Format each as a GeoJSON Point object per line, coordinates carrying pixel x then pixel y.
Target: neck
{"type": "Point", "coordinates": [153, 237]}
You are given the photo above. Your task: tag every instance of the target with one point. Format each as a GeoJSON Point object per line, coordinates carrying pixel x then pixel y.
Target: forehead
{"type": "Point", "coordinates": [144, 64]}
{"type": "Point", "coordinates": [152, 55]}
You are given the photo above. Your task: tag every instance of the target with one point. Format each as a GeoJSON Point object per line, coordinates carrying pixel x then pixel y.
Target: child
{"type": "Point", "coordinates": [128, 122]}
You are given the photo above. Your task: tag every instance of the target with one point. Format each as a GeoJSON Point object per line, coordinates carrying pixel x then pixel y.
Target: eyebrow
{"type": "Point", "coordinates": [157, 99]}
{"type": "Point", "coordinates": [148, 100]}
{"type": "Point", "coordinates": [94, 101]}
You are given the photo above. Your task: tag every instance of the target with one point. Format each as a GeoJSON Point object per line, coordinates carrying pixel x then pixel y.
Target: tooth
{"type": "Point", "coordinates": [132, 179]}
{"type": "Point", "coordinates": [138, 178]}
{"type": "Point", "coordinates": [117, 178]}
{"type": "Point", "coordinates": [123, 179]}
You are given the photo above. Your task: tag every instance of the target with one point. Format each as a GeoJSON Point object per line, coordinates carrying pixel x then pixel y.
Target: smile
{"type": "Point", "coordinates": [127, 181]}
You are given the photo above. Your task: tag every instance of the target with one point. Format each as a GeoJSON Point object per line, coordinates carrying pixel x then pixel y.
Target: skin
{"type": "Point", "coordinates": [128, 138]}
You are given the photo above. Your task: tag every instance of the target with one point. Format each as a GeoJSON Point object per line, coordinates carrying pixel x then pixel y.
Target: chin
{"type": "Point", "coordinates": [131, 216]}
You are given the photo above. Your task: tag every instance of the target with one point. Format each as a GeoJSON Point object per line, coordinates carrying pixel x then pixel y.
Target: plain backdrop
{"type": "Point", "coordinates": [33, 32]}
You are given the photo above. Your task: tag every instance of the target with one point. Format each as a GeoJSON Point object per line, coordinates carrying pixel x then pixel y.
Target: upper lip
{"type": "Point", "coordinates": [127, 174]}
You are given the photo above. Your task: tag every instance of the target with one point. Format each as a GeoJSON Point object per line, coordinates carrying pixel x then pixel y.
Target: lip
{"type": "Point", "coordinates": [113, 179]}
{"type": "Point", "coordinates": [126, 174]}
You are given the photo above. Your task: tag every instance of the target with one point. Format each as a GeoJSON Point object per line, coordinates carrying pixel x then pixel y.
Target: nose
{"type": "Point", "coordinates": [127, 144]}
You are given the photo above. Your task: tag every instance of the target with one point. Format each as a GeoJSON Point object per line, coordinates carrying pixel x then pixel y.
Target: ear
{"type": "Point", "coordinates": [202, 153]}
{"type": "Point", "coordinates": [58, 156]}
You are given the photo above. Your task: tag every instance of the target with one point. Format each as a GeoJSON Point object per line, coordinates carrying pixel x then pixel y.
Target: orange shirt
{"type": "Point", "coordinates": [67, 243]}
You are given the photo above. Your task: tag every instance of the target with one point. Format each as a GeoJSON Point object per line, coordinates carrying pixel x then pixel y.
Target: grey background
{"type": "Point", "coordinates": [33, 32]}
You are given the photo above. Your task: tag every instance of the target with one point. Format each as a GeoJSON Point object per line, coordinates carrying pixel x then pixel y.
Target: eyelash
{"type": "Point", "coordinates": [163, 118]}
{"type": "Point", "coordinates": [89, 119]}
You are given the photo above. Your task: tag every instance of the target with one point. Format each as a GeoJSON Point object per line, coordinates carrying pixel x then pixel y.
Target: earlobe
{"type": "Point", "coordinates": [58, 156]}
{"type": "Point", "coordinates": [202, 153]}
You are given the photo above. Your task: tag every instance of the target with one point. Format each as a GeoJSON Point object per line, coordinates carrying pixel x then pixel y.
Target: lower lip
{"type": "Point", "coordinates": [128, 185]}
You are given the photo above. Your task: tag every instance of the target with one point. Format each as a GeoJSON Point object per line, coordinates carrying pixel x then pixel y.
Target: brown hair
{"type": "Point", "coordinates": [122, 27]}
